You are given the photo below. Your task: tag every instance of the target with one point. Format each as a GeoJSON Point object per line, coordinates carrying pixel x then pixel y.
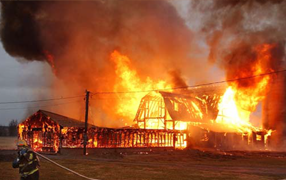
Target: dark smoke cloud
{"type": "Point", "coordinates": [251, 22]}
{"type": "Point", "coordinates": [144, 30]}
{"type": "Point", "coordinates": [177, 79]}
{"type": "Point", "coordinates": [80, 36]}
{"type": "Point", "coordinates": [234, 28]}
{"type": "Point", "coordinates": [19, 30]}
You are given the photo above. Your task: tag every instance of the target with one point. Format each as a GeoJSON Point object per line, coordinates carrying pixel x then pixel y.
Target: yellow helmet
{"type": "Point", "coordinates": [22, 143]}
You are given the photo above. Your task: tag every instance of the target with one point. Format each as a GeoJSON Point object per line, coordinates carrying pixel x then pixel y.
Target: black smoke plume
{"type": "Point", "coordinates": [77, 37]}
{"type": "Point", "coordinates": [20, 32]}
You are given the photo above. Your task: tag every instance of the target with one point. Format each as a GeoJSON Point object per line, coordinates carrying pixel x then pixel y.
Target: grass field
{"type": "Point", "coordinates": [183, 165]}
{"type": "Point", "coordinates": [157, 165]}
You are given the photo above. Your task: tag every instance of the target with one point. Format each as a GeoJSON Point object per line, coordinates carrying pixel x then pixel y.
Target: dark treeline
{"type": "Point", "coordinates": [10, 130]}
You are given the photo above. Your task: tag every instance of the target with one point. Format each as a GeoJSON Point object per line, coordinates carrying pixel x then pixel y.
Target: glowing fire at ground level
{"type": "Point", "coordinates": [44, 133]}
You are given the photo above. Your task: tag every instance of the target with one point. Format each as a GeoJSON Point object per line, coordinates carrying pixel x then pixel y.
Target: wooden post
{"type": "Point", "coordinates": [61, 140]}
{"type": "Point", "coordinates": [165, 117]}
{"type": "Point", "coordinates": [86, 119]}
{"type": "Point", "coordinates": [174, 140]}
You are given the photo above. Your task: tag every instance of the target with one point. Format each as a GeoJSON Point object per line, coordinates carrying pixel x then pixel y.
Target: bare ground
{"type": "Point", "coordinates": [158, 164]}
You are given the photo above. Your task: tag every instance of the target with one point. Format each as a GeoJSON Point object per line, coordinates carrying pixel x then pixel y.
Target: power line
{"type": "Point", "coordinates": [50, 105]}
{"type": "Point", "coordinates": [193, 86]}
{"type": "Point", "coordinates": [145, 91]}
{"type": "Point", "coordinates": [40, 100]}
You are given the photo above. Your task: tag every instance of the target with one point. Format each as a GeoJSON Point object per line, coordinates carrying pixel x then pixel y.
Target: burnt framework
{"type": "Point", "coordinates": [128, 138]}
{"type": "Point", "coordinates": [167, 110]}
{"type": "Point", "coordinates": [103, 138]}
{"type": "Point", "coordinates": [46, 131]}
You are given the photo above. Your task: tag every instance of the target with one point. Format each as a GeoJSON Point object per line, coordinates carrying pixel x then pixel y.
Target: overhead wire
{"type": "Point", "coordinates": [50, 105]}
{"type": "Point", "coordinates": [192, 86]}
{"type": "Point", "coordinates": [40, 100]}
{"type": "Point", "coordinates": [144, 91]}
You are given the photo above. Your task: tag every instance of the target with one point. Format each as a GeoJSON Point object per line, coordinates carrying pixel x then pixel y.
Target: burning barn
{"type": "Point", "coordinates": [171, 111]}
{"type": "Point", "coordinates": [164, 110]}
{"type": "Point", "coordinates": [199, 116]}
{"type": "Point", "coordinates": [163, 119]}
{"type": "Point", "coordinates": [47, 131]}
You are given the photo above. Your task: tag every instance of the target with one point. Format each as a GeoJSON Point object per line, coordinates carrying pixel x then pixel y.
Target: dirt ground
{"type": "Point", "coordinates": [152, 164]}
{"type": "Point", "coordinates": [158, 165]}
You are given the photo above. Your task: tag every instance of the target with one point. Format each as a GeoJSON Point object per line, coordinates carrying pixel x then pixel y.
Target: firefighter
{"type": "Point", "coordinates": [27, 162]}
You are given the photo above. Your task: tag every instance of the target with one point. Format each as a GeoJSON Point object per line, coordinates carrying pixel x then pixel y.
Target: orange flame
{"type": "Point", "coordinates": [20, 130]}
{"type": "Point", "coordinates": [129, 80]}
{"type": "Point", "coordinates": [239, 102]}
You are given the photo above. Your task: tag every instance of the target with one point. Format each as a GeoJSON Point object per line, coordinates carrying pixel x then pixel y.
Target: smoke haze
{"type": "Point", "coordinates": [163, 41]}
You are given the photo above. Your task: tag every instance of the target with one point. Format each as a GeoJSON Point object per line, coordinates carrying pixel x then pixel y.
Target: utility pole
{"type": "Point", "coordinates": [175, 134]}
{"type": "Point", "coordinates": [86, 119]}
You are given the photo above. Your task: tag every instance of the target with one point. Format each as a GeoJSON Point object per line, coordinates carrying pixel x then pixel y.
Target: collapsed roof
{"type": "Point", "coordinates": [187, 107]}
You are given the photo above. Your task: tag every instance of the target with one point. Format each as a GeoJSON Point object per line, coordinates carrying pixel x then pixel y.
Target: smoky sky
{"type": "Point", "coordinates": [151, 33]}
{"type": "Point", "coordinates": [20, 81]}
{"type": "Point", "coordinates": [162, 37]}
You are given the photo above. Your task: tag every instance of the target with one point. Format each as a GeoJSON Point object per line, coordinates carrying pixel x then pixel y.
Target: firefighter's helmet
{"type": "Point", "coordinates": [22, 143]}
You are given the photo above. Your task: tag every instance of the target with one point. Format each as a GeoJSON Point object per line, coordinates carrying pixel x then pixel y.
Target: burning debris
{"type": "Point", "coordinates": [163, 110]}
{"type": "Point", "coordinates": [163, 119]}
{"type": "Point", "coordinates": [47, 131]}
{"type": "Point", "coordinates": [43, 130]}
{"type": "Point", "coordinates": [246, 39]}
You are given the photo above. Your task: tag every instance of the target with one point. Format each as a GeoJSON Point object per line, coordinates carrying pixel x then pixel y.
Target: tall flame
{"type": "Point", "coordinates": [129, 80]}
{"type": "Point", "coordinates": [239, 102]}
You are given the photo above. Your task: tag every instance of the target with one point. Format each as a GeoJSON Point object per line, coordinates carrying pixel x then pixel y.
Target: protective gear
{"type": "Point", "coordinates": [28, 164]}
{"type": "Point", "coordinates": [22, 152]}
{"type": "Point", "coordinates": [34, 176]}
{"type": "Point", "coordinates": [22, 143]}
